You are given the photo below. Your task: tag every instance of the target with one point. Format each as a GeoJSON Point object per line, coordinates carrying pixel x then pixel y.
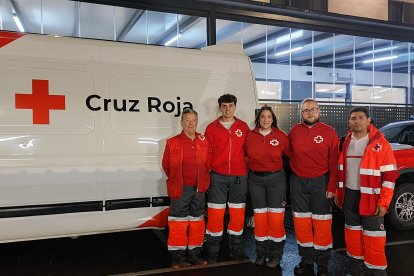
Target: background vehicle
{"type": "Point", "coordinates": [401, 137]}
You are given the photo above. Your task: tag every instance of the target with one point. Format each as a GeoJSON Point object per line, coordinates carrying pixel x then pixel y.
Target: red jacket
{"type": "Point", "coordinates": [378, 172]}
{"type": "Point", "coordinates": [264, 153]}
{"type": "Point", "coordinates": [172, 164]}
{"type": "Point", "coordinates": [314, 152]}
{"type": "Point", "coordinates": [228, 147]}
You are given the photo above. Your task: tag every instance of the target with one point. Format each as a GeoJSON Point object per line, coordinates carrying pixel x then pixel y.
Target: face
{"type": "Point", "coordinates": [227, 110]}
{"type": "Point", "coordinates": [310, 113]}
{"type": "Point", "coordinates": [265, 120]}
{"type": "Point", "coordinates": [358, 122]}
{"type": "Point", "coordinates": [189, 123]}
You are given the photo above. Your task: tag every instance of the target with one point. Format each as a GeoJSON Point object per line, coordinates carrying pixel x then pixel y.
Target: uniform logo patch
{"type": "Point", "coordinates": [274, 142]}
{"type": "Point", "coordinates": [382, 226]}
{"type": "Point", "coordinates": [201, 137]}
{"type": "Point", "coordinates": [238, 133]}
{"type": "Point", "coordinates": [318, 139]}
{"type": "Point", "coordinates": [377, 147]}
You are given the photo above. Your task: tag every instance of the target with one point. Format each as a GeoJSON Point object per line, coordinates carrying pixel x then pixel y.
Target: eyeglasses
{"type": "Point", "coordinates": [312, 110]}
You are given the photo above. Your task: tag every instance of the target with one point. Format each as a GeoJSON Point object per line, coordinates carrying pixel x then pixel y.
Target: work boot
{"type": "Point", "coordinates": [260, 260]}
{"type": "Point", "coordinates": [273, 263]}
{"type": "Point", "coordinates": [323, 270]}
{"type": "Point", "coordinates": [212, 258]}
{"type": "Point", "coordinates": [236, 254]}
{"type": "Point", "coordinates": [304, 269]}
{"type": "Point", "coordinates": [195, 256]}
{"type": "Point", "coordinates": [178, 259]}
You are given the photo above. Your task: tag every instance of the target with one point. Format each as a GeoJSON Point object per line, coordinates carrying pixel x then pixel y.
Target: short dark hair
{"type": "Point", "coordinates": [359, 109]}
{"type": "Point", "coordinates": [227, 98]}
{"type": "Point", "coordinates": [263, 108]}
{"type": "Point", "coordinates": [307, 100]}
{"type": "Point", "coordinates": [188, 111]}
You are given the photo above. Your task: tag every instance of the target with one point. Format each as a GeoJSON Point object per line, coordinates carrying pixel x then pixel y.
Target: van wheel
{"type": "Point", "coordinates": [401, 211]}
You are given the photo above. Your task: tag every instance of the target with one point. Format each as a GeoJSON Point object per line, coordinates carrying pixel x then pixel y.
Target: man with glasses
{"type": "Point", "coordinates": [313, 160]}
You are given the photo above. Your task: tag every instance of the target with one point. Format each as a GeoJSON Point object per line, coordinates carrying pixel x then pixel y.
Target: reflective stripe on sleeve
{"type": "Point", "coordinates": [388, 184]}
{"type": "Point", "coordinates": [371, 191]}
{"type": "Point", "coordinates": [389, 167]}
{"type": "Point", "coordinates": [370, 172]}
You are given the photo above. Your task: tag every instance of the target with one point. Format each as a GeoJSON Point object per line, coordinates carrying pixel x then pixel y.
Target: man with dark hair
{"type": "Point", "coordinates": [228, 179]}
{"type": "Point", "coordinates": [367, 172]}
{"type": "Point", "coordinates": [186, 164]}
{"type": "Point", "coordinates": [313, 160]}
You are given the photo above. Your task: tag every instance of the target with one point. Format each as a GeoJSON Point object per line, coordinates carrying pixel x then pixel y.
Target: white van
{"type": "Point", "coordinates": [83, 125]}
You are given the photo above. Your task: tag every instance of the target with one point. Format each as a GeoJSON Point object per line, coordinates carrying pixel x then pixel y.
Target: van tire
{"type": "Point", "coordinates": [401, 212]}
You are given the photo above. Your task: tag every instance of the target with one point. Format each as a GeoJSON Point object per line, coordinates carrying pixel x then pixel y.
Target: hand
{"type": "Point", "coordinates": [335, 200]}
{"type": "Point", "coordinates": [380, 211]}
{"type": "Point", "coordinates": [329, 195]}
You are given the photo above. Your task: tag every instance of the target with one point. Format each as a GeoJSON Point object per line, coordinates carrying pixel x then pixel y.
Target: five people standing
{"type": "Point", "coordinates": [219, 161]}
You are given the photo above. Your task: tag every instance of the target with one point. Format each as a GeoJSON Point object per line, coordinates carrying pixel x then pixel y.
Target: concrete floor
{"type": "Point", "coordinates": [143, 253]}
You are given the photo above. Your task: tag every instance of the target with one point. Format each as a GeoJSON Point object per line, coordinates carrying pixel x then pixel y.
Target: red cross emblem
{"type": "Point", "coordinates": [274, 142]}
{"type": "Point", "coordinates": [318, 139]}
{"type": "Point", "coordinates": [377, 147]}
{"type": "Point", "coordinates": [40, 101]}
{"type": "Point", "coordinates": [238, 132]}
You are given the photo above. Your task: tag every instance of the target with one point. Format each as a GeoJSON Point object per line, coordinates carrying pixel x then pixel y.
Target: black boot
{"type": "Point", "coordinates": [260, 253]}
{"type": "Point", "coordinates": [178, 259]}
{"type": "Point", "coordinates": [304, 269]}
{"type": "Point", "coordinates": [195, 256]}
{"type": "Point", "coordinates": [323, 270]}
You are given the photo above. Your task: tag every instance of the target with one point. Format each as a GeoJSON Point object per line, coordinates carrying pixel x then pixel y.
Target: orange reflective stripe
{"type": "Point", "coordinates": [236, 222]}
{"type": "Point", "coordinates": [177, 236]}
{"type": "Point", "coordinates": [322, 231]}
{"type": "Point", "coordinates": [196, 233]}
{"type": "Point", "coordinates": [260, 226]}
{"type": "Point", "coordinates": [353, 241]}
{"type": "Point", "coordinates": [303, 230]}
{"type": "Point", "coordinates": [215, 220]}
{"type": "Point", "coordinates": [276, 225]}
{"type": "Point", "coordinates": [374, 245]}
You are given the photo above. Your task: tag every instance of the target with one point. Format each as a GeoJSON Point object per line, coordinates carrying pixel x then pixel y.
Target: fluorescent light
{"type": "Point", "coordinates": [290, 36]}
{"type": "Point", "coordinates": [172, 40]}
{"type": "Point", "coordinates": [380, 50]}
{"type": "Point", "coordinates": [379, 59]}
{"type": "Point", "coordinates": [289, 51]}
{"type": "Point", "coordinates": [18, 23]}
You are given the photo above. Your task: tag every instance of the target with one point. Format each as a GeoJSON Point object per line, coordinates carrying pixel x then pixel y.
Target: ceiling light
{"type": "Point", "coordinates": [18, 23]}
{"type": "Point", "coordinates": [380, 50]}
{"type": "Point", "coordinates": [172, 40]}
{"type": "Point", "coordinates": [289, 51]}
{"type": "Point", "coordinates": [380, 59]}
{"type": "Point", "coordinates": [290, 36]}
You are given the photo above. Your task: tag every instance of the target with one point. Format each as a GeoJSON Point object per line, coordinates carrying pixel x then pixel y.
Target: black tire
{"type": "Point", "coordinates": [401, 212]}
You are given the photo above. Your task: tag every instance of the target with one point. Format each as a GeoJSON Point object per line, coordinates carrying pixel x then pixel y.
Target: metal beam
{"type": "Point", "coordinates": [76, 27]}
{"type": "Point", "coordinates": [182, 28]}
{"type": "Point", "coordinates": [131, 23]}
{"type": "Point", "coordinates": [16, 11]}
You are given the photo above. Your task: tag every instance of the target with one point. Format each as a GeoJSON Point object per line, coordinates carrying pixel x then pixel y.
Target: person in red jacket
{"type": "Point", "coordinates": [185, 162]}
{"type": "Point", "coordinates": [265, 145]}
{"type": "Point", "coordinates": [227, 135]}
{"type": "Point", "coordinates": [313, 160]}
{"type": "Point", "coordinates": [367, 172]}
